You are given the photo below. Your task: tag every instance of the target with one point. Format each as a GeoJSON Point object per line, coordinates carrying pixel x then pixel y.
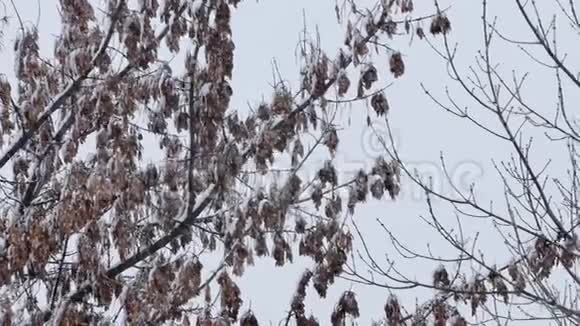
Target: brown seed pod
{"type": "Point", "coordinates": [420, 33]}
{"type": "Point", "coordinates": [343, 84]}
{"type": "Point", "coordinates": [380, 104]}
{"type": "Point", "coordinates": [397, 65]}
{"type": "Point", "coordinates": [440, 25]}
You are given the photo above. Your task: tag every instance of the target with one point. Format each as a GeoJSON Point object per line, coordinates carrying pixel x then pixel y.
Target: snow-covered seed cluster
{"type": "Point", "coordinates": [347, 305]}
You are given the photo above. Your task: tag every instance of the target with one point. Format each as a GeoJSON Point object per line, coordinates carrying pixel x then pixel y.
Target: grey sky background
{"type": "Point", "coordinates": [270, 30]}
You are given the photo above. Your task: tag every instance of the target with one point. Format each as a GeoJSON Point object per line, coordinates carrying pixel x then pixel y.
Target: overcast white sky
{"type": "Point", "coordinates": [270, 30]}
